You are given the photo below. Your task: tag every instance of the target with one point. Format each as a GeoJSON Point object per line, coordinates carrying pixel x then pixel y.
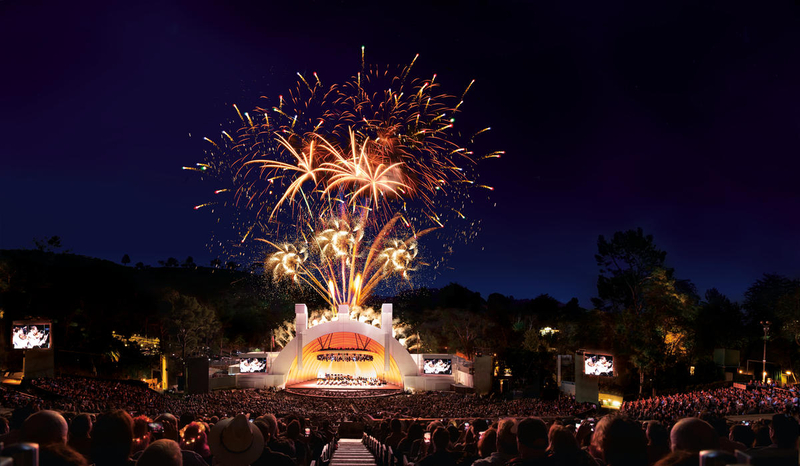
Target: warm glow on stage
{"type": "Point", "coordinates": [344, 353]}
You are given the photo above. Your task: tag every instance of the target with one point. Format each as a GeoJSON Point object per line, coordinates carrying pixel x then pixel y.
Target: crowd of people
{"type": "Point", "coordinates": [344, 357]}
{"type": "Point", "coordinates": [131, 424]}
{"type": "Point", "coordinates": [346, 380]}
{"type": "Point", "coordinates": [728, 401]}
{"type": "Point", "coordinates": [79, 394]}
{"type": "Point", "coordinates": [614, 440]}
{"type": "Point", "coordinates": [116, 438]}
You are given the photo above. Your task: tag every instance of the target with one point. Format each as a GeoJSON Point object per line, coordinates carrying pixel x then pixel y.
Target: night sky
{"type": "Point", "coordinates": [682, 117]}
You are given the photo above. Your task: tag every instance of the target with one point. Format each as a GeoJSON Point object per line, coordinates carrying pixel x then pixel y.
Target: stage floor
{"type": "Point", "coordinates": [313, 384]}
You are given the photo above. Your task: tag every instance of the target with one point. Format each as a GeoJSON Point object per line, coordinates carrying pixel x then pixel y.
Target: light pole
{"type": "Point", "coordinates": [765, 324]}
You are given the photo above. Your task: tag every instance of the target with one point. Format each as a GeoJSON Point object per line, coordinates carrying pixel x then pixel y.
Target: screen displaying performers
{"type": "Point", "coordinates": [598, 364]}
{"type": "Point", "coordinates": [248, 365]}
{"type": "Point", "coordinates": [31, 336]}
{"type": "Point", "coordinates": [438, 366]}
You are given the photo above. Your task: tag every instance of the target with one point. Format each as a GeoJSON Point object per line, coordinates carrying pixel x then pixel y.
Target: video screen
{"type": "Point", "coordinates": [438, 366]}
{"type": "Point", "coordinates": [598, 364]}
{"type": "Point", "coordinates": [30, 336]}
{"type": "Point", "coordinates": [248, 365]}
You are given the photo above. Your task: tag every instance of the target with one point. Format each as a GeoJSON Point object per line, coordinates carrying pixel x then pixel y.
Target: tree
{"type": "Point", "coordinates": [48, 244]}
{"type": "Point", "coordinates": [172, 262]}
{"type": "Point", "coordinates": [189, 263]}
{"type": "Point", "coordinates": [216, 263]}
{"type": "Point", "coordinates": [126, 259]}
{"type": "Point", "coordinates": [626, 263]}
{"type": "Point", "coordinates": [651, 308]}
{"type": "Point", "coordinates": [764, 297]}
{"type": "Point", "coordinates": [139, 266]}
{"type": "Point", "coordinates": [467, 327]}
{"type": "Point", "coordinates": [231, 265]}
{"type": "Point", "coordinates": [719, 323]}
{"type": "Point", "coordinates": [188, 324]}
{"type": "Point", "coordinates": [777, 299]}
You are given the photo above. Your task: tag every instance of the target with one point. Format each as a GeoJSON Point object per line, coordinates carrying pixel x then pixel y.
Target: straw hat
{"type": "Point", "coordinates": [236, 441]}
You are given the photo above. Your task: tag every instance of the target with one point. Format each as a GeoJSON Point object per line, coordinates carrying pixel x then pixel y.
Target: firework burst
{"type": "Point", "coordinates": [341, 181]}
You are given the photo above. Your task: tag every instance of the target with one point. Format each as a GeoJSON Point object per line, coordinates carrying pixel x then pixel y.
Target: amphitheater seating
{"type": "Point", "coordinates": [384, 456]}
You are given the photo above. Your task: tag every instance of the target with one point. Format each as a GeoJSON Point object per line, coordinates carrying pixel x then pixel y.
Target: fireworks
{"type": "Point", "coordinates": [341, 181]}
{"type": "Point", "coordinates": [343, 268]}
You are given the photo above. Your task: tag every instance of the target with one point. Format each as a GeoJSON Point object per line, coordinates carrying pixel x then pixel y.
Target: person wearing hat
{"type": "Point", "coordinates": [236, 442]}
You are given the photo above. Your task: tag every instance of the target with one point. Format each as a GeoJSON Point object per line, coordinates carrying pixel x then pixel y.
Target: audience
{"type": "Point", "coordinates": [45, 428]}
{"type": "Point", "coordinates": [658, 443]}
{"type": "Point", "coordinates": [236, 441]}
{"type": "Point", "coordinates": [784, 431]}
{"type": "Point", "coordinates": [532, 442]}
{"type": "Point", "coordinates": [194, 438]}
{"type": "Point", "coordinates": [742, 435]}
{"type": "Point", "coordinates": [80, 430]}
{"type": "Point", "coordinates": [397, 434]}
{"type": "Point", "coordinates": [693, 435]}
{"type": "Point", "coordinates": [487, 444]}
{"type": "Point", "coordinates": [506, 445]}
{"type": "Point", "coordinates": [440, 456]}
{"type": "Point", "coordinates": [216, 428]}
{"type": "Point", "coordinates": [112, 439]}
{"type": "Point", "coordinates": [564, 449]}
{"type": "Point", "coordinates": [162, 452]}
{"type": "Point", "coordinates": [619, 441]}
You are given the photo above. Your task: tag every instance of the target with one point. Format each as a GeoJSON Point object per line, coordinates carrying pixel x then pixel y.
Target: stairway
{"type": "Point", "coordinates": [352, 452]}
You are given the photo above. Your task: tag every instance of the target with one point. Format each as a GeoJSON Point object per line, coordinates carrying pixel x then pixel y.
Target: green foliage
{"type": "Point", "coordinates": [89, 298]}
{"type": "Point", "coordinates": [719, 324]}
{"type": "Point", "coordinates": [626, 263]}
{"type": "Point", "coordinates": [187, 325]}
{"type": "Point", "coordinates": [653, 310]}
{"type": "Point", "coordinates": [775, 298]}
{"type": "Point", "coordinates": [50, 244]}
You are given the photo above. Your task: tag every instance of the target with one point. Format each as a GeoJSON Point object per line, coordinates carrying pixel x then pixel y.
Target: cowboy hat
{"type": "Point", "coordinates": [235, 441]}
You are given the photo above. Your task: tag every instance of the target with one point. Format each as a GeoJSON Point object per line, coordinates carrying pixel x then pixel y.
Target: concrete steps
{"type": "Point", "coordinates": [352, 452]}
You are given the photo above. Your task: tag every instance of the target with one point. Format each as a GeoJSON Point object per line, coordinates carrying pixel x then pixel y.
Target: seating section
{"type": "Point", "coordinates": [324, 458]}
{"type": "Point", "coordinates": [384, 456]}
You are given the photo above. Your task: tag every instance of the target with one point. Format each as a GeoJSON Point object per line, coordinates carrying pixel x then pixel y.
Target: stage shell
{"type": "Point", "coordinates": [297, 362]}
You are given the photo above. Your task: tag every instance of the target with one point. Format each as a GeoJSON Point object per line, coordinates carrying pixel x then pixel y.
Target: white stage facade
{"type": "Point", "coordinates": [319, 350]}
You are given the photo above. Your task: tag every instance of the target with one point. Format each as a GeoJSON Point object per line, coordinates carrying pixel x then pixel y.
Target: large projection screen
{"type": "Point", "coordinates": [437, 366]}
{"type": "Point", "coordinates": [31, 335]}
{"type": "Point", "coordinates": [251, 365]}
{"type": "Point", "coordinates": [598, 364]}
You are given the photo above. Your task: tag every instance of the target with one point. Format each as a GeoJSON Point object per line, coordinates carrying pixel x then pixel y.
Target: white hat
{"type": "Point", "coordinates": [236, 441]}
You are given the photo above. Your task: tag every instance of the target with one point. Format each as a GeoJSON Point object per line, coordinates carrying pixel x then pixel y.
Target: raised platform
{"type": "Point", "coordinates": [310, 388]}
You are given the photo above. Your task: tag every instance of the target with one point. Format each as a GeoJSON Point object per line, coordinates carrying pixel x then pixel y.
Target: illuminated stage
{"type": "Point", "coordinates": [345, 350]}
{"type": "Point", "coordinates": [310, 388]}
{"type": "Point", "coordinates": [313, 384]}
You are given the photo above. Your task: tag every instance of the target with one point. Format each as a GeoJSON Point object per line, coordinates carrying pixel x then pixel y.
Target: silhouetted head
{"type": "Point", "coordinates": [162, 453]}
{"type": "Point", "coordinates": [693, 434]}
{"type": "Point", "coordinates": [45, 428]}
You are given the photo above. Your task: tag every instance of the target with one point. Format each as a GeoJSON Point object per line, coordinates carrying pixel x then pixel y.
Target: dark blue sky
{"type": "Point", "coordinates": [679, 117]}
